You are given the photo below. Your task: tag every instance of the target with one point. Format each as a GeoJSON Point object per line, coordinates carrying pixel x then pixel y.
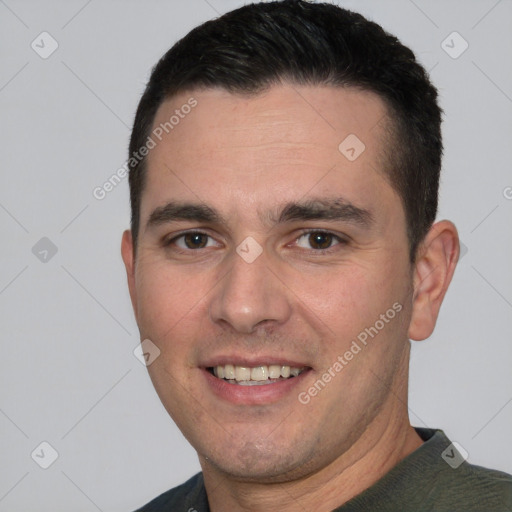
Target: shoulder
{"type": "Point", "coordinates": [455, 484]}
{"type": "Point", "coordinates": [437, 477]}
{"type": "Point", "coordinates": [477, 487]}
{"type": "Point", "coordinates": [188, 497]}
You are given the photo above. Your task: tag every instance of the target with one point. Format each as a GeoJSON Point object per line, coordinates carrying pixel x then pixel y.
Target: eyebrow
{"type": "Point", "coordinates": [176, 211]}
{"type": "Point", "coordinates": [337, 209]}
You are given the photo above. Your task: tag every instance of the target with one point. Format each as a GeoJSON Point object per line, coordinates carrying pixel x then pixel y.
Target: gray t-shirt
{"type": "Point", "coordinates": [432, 478]}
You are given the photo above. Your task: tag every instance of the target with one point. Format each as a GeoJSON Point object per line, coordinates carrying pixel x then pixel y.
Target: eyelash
{"type": "Point", "coordinates": [339, 239]}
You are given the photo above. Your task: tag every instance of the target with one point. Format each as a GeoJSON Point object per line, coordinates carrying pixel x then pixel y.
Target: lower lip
{"type": "Point", "coordinates": [253, 395]}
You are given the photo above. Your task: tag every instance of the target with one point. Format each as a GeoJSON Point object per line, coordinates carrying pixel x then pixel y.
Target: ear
{"type": "Point", "coordinates": [435, 264]}
{"type": "Point", "coordinates": [129, 263]}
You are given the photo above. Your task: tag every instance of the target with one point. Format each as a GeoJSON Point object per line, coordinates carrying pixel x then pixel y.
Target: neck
{"type": "Point", "coordinates": [385, 442]}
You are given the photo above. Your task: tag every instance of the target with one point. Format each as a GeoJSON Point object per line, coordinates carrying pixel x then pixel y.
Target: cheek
{"type": "Point", "coordinates": [361, 311]}
{"type": "Point", "coordinates": [165, 299]}
{"type": "Point", "coordinates": [364, 314]}
{"type": "Point", "coordinates": [349, 297]}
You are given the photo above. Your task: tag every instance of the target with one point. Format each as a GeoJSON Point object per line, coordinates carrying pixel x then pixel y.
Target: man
{"type": "Point", "coordinates": [284, 175]}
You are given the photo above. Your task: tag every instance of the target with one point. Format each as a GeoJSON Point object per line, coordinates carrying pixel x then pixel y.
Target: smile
{"type": "Point", "coordinates": [255, 376]}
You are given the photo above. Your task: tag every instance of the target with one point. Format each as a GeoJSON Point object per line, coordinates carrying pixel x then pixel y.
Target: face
{"type": "Point", "coordinates": [272, 273]}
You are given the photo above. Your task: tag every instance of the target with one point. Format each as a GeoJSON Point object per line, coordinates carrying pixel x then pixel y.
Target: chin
{"type": "Point", "coordinates": [263, 460]}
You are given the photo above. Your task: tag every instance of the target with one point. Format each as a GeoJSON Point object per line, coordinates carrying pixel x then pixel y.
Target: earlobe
{"type": "Point", "coordinates": [434, 269]}
{"type": "Point", "coordinates": [129, 263]}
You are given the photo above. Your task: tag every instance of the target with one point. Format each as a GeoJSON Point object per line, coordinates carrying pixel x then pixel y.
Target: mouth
{"type": "Point", "coordinates": [259, 383]}
{"type": "Point", "coordinates": [257, 375]}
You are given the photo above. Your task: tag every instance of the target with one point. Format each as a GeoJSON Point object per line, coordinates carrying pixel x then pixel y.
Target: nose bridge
{"type": "Point", "coordinates": [249, 293]}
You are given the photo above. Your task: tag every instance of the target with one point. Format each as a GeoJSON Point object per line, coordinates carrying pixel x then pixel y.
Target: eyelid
{"type": "Point", "coordinates": [340, 238]}
{"type": "Point", "coordinates": [167, 241]}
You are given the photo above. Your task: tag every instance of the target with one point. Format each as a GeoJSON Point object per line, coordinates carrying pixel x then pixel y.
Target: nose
{"type": "Point", "coordinates": [250, 295]}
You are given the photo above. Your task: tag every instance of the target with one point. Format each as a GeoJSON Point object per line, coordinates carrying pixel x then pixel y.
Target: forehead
{"type": "Point", "coordinates": [319, 113]}
{"type": "Point", "coordinates": [286, 141]}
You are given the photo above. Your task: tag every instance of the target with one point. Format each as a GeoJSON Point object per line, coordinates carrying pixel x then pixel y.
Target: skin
{"type": "Point", "coordinates": [246, 157]}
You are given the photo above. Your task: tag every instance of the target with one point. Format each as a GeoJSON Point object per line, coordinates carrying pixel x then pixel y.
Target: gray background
{"type": "Point", "coordinates": [68, 373]}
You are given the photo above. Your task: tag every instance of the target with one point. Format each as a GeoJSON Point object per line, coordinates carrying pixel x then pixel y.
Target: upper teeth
{"type": "Point", "coordinates": [257, 373]}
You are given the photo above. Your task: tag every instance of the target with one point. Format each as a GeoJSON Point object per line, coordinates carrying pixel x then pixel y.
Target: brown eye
{"type": "Point", "coordinates": [318, 240]}
{"type": "Point", "coordinates": [190, 241]}
{"type": "Point", "coordinates": [195, 240]}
